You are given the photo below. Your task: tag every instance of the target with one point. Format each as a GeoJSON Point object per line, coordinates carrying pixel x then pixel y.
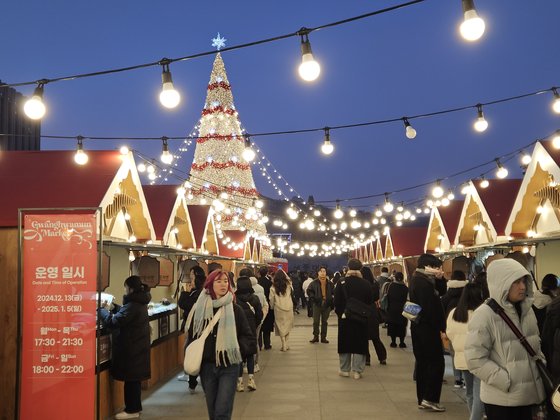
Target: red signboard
{"type": "Point", "coordinates": [59, 321]}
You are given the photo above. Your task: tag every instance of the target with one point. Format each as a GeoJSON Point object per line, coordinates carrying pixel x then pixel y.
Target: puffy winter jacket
{"type": "Point", "coordinates": [508, 376]}
{"type": "Point", "coordinates": [457, 334]}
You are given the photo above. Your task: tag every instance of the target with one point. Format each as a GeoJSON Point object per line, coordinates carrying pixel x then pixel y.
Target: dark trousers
{"type": "Point", "coordinates": [320, 315]}
{"type": "Point", "coordinates": [498, 412]}
{"type": "Point", "coordinates": [264, 338]}
{"type": "Point", "coordinates": [309, 308]}
{"type": "Point", "coordinates": [380, 350]}
{"type": "Point", "coordinates": [193, 382]}
{"type": "Point", "coordinates": [430, 365]}
{"type": "Point", "coordinates": [132, 396]}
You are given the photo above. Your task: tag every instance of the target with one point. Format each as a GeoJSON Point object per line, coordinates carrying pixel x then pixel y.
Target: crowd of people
{"type": "Point", "coordinates": [456, 316]}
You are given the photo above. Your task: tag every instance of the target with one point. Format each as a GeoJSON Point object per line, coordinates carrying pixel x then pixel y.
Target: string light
{"type": "Point", "coordinates": [248, 153]}
{"type": "Point", "coordinates": [338, 213]}
{"type": "Point", "coordinates": [309, 69]}
{"type": "Point", "coordinates": [168, 97]}
{"type": "Point", "coordinates": [166, 156]}
{"type": "Point", "coordinates": [437, 191]}
{"type": "Point", "coordinates": [81, 158]}
{"type": "Point", "coordinates": [124, 150]}
{"type": "Point", "coordinates": [450, 195]}
{"type": "Point", "coordinates": [34, 107]}
{"type": "Point", "coordinates": [387, 207]}
{"type": "Point", "coordinates": [525, 158]}
{"type": "Point", "coordinates": [480, 123]}
{"type": "Point", "coordinates": [327, 147]}
{"type": "Point", "coordinates": [556, 140]}
{"type": "Point", "coordinates": [484, 183]}
{"type": "Point", "coordinates": [501, 172]}
{"type": "Point", "coordinates": [473, 26]}
{"type": "Point", "coordinates": [556, 101]}
{"type": "Point", "coordinates": [410, 132]}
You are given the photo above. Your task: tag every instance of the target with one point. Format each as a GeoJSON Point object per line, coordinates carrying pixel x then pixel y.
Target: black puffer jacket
{"type": "Point", "coordinates": [551, 338]}
{"type": "Point", "coordinates": [131, 337]}
{"type": "Point", "coordinates": [246, 298]}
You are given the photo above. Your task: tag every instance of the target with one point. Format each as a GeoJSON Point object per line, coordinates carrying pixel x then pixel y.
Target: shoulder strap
{"type": "Point", "coordinates": [210, 325]}
{"type": "Point", "coordinates": [500, 311]}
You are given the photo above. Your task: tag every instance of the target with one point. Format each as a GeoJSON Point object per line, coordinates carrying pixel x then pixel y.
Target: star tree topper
{"type": "Point", "coordinates": [219, 42]}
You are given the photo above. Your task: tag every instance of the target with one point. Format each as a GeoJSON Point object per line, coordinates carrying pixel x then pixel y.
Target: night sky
{"type": "Point", "coordinates": [407, 62]}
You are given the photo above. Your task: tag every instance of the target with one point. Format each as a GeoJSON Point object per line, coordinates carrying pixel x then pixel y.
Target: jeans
{"type": "Point", "coordinates": [476, 407]}
{"type": "Point", "coordinates": [358, 362]}
{"type": "Point", "coordinates": [132, 396]}
{"type": "Point", "coordinates": [320, 314]}
{"type": "Point", "coordinates": [498, 412]}
{"type": "Point", "coordinates": [219, 385]}
{"type": "Point", "coordinates": [250, 360]}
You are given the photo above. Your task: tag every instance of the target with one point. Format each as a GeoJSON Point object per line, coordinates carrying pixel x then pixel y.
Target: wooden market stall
{"type": "Point", "coordinates": [407, 243]}
{"type": "Point", "coordinates": [443, 227]}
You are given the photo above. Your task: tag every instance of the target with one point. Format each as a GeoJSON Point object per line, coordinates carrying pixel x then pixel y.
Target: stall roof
{"type": "Point", "coordinates": [199, 218]}
{"type": "Point", "coordinates": [450, 217]}
{"type": "Point", "coordinates": [498, 200]}
{"type": "Point", "coordinates": [45, 179]}
{"type": "Point", "coordinates": [161, 201]}
{"type": "Point", "coordinates": [409, 241]}
{"type": "Point", "coordinates": [236, 236]}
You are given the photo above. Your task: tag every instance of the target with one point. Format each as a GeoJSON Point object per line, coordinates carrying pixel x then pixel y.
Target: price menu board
{"type": "Point", "coordinates": [58, 351]}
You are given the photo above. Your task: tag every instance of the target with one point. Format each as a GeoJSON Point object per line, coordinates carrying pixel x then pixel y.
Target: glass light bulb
{"type": "Point", "coordinates": [327, 148]}
{"type": "Point", "coordinates": [437, 191]}
{"type": "Point", "coordinates": [131, 256]}
{"type": "Point", "coordinates": [338, 214]}
{"type": "Point", "coordinates": [480, 124]}
{"type": "Point", "coordinates": [388, 207]}
{"type": "Point", "coordinates": [472, 27]}
{"type": "Point", "coordinates": [378, 213]}
{"type": "Point", "coordinates": [34, 108]}
{"type": "Point", "coordinates": [556, 105]}
{"type": "Point", "coordinates": [410, 132]}
{"type": "Point", "coordinates": [151, 169]}
{"type": "Point", "coordinates": [142, 167]}
{"type": "Point", "coordinates": [169, 97]}
{"type": "Point", "coordinates": [451, 196]}
{"type": "Point", "coordinates": [465, 189]}
{"type": "Point", "coordinates": [309, 69]}
{"type": "Point", "coordinates": [445, 202]}
{"type": "Point", "coordinates": [353, 213]}
{"type": "Point", "coordinates": [81, 158]}
{"type": "Point", "coordinates": [556, 141]}
{"type": "Point", "coordinates": [502, 172]}
{"type": "Point", "coordinates": [166, 157]}
{"type": "Point", "coordinates": [124, 150]}
{"type": "Point", "coordinates": [484, 183]}
{"type": "Point", "coordinates": [152, 176]}
{"type": "Point", "coordinates": [248, 154]}
{"type": "Point", "coordinates": [526, 159]}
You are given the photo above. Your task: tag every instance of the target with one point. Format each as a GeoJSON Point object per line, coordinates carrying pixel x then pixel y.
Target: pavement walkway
{"type": "Point", "coordinates": [303, 383]}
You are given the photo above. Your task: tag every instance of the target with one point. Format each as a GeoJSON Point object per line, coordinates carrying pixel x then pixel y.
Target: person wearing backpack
{"type": "Point", "coordinates": [251, 305]}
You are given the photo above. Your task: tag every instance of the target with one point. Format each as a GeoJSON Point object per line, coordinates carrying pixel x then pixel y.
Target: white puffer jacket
{"type": "Point", "coordinates": [508, 376]}
{"type": "Point", "coordinates": [457, 334]}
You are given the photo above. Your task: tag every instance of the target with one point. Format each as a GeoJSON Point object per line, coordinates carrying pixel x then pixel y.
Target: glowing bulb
{"type": "Point", "coordinates": [352, 213]}
{"type": "Point", "coordinates": [450, 196]}
{"type": "Point", "coordinates": [388, 207]}
{"type": "Point", "coordinates": [259, 204]}
{"type": "Point", "coordinates": [540, 209]}
{"type": "Point", "coordinates": [168, 97]}
{"type": "Point", "coordinates": [437, 191]}
{"type": "Point", "coordinates": [531, 233]}
{"type": "Point", "coordinates": [484, 183]}
{"type": "Point", "coordinates": [34, 107]}
{"type": "Point", "coordinates": [556, 102]}
{"type": "Point", "coordinates": [378, 212]}
{"type": "Point", "coordinates": [410, 132]}
{"type": "Point", "coordinates": [502, 172]}
{"type": "Point", "coordinates": [473, 26]}
{"type": "Point", "coordinates": [81, 158]}
{"type": "Point", "coordinates": [526, 159]}
{"type": "Point", "coordinates": [131, 256]}
{"type": "Point", "coordinates": [445, 202]}
{"type": "Point", "coordinates": [132, 238]}
{"type": "Point", "coordinates": [556, 140]}
{"type": "Point", "coordinates": [124, 150]}
{"type": "Point", "coordinates": [248, 153]}
{"type": "Point", "coordinates": [338, 213]}
{"type": "Point", "coordinates": [151, 169]}
{"type": "Point", "coordinates": [309, 69]}
{"type": "Point", "coordinates": [166, 156]}
{"type": "Point", "coordinates": [327, 147]}
{"type": "Point", "coordinates": [142, 167]}
{"type": "Point", "coordinates": [152, 176]}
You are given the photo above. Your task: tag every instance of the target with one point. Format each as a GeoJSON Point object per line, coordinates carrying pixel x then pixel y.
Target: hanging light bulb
{"type": "Point", "coordinates": [309, 69]}
{"type": "Point", "coordinates": [525, 158]}
{"type": "Point", "coordinates": [338, 213]}
{"type": "Point", "coordinates": [484, 183]}
{"type": "Point", "coordinates": [34, 107]}
{"type": "Point", "coordinates": [501, 172]}
{"type": "Point", "coordinates": [480, 124]}
{"type": "Point", "coordinates": [166, 156]}
{"type": "Point", "coordinates": [141, 167]}
{"type": "Point", "coordinates": [556, 102]}
{"type": "Point", "coordinates": [353, 213]}
{"type": "Point", "coordinates": [248, 153]}
{"type": "Point", "coordinates": [465, 189]}
{"type": "Point", "coordinates": [388, 206]}
{"type": "Point", "coordinates": [124, 150]}
{"type": "Point", "coordinates": [131, 256]}
{"type": "Point", "coordinates": [81, 158]}
{"type": "Point", "coordinates": [556, 140]}
{"type": "Point", "coordinates": [410, 132]}
{"type": "Point", "coordinates": [168, 97]}
{"type": "Point", "coordinates": [473, 26]}
{"type": "Point", "coordinates": [327, 147]}
{"type": "Point", "coordinates": [437, 191]}
{"type": "Point", "coordinates": [450, 195]}
{"type": "Point", "coordinates": [258, 204]}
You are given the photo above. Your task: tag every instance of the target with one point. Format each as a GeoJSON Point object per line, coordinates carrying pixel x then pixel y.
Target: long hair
{"type": "Point", "coordinates": [367, 274]}
{"type": "Point", "coordinates": [199, 276]}
{"type": "Point", "coordinates": [280, 282]}
{"type": "Point", "coordinates": [482, 281]}
{"type": "Point", "coordinates": [209, 283]}
{"type": "Point", "coordinates": [471, 298]}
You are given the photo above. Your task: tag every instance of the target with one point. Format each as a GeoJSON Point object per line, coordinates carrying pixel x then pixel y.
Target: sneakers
{"type": "Point", "coordinates": [393, 345]}
{"type": "Point", "coordinates": [458, 384]}
{"type": "Point", "coordinates": [402, 345]}
{"type": "Point", "coordinates": [314, 340]}
{"type": "Point", "coordinates": [357, 375]}
{"type": "Point", "coordinates": [257, 368]}
{"type": "Point", "coordinates": [324, 340]}
{"type": "Point", "coordinates": [343, 374]}
{"type": "Point", "coordinates": [383, 362]}
{"type": "Point", "coordinates": [183, 377]}
{"type": "Point", "coordinates": [432, 406]}
{"type": "Point", "coordinates": [251, 385]}
{"type": "Point", "coordinates": [240, 386]}
{"type": "Point", "coordinates": [125, 415]}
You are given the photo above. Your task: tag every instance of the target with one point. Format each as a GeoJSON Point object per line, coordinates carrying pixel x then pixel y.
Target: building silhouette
{"type": "Point", "coordinates": [17, 131]}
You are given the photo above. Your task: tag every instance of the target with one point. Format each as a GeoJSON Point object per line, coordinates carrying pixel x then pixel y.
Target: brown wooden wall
{"type": "Point", "coordinates": [8, 320]}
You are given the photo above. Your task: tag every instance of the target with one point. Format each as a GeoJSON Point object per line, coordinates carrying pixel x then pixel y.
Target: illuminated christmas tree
{"type": "Point", "coordinates": [220, 175]}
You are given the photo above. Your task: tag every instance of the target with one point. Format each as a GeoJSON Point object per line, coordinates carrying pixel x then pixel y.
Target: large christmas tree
{"type": "Point", "coordinates": [219, 173]}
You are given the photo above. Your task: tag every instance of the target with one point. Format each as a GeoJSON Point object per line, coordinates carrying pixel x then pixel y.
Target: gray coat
{"type": "Point", "coordinates": [508, 376]}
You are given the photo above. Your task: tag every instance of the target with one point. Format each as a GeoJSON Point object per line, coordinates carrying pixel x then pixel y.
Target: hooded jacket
{"type": "Point", "coordinates": [509, 377]}
{"type": "Point", "coordinates": [451, 298]}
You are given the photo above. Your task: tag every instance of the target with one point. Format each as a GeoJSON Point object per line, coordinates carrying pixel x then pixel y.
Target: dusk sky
{"type": "Point", "coordinates": [407, 62]}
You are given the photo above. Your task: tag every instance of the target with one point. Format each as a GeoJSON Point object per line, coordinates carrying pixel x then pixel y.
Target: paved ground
{"type": "Point", "coordinates": [303, 383]}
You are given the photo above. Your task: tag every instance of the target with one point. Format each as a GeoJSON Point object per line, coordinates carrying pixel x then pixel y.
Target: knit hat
{"type": "Point", "coordinates": [354, 264]}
